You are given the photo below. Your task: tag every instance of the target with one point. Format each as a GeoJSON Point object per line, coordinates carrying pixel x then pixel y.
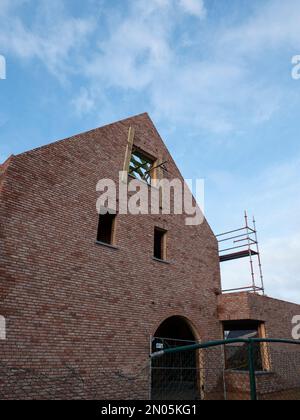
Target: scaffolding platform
{"type": "Point", "coordinates": [239, 243]}
{"type": "Point", "coordinates": [237, 255]}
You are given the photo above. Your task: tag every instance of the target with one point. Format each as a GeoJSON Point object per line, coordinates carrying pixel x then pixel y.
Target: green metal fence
{"type": "Point", "coordinates": [235, 369]}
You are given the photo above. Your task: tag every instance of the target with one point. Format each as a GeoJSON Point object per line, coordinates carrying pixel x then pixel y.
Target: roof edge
{"type": "Point", "coordinates": [6, 163]}
{"type": "Point", "coordinates": [250, 295]}
{"type": "Point", "coordinates": [83, 133]}
{"type": "Point", "coordinates": [3, 171]}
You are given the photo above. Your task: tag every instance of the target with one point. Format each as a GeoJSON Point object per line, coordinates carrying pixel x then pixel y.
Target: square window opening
{"type": "Point", "coordinates": [106, 229]}
{"type": "Point", "coordinates": [237, 354]}
{"type": "Point", "coordinates": [160, 244]}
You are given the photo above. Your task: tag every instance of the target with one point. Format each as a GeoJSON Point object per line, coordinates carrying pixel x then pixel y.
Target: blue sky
{"type": "Point", "coordinates": [215, 76]}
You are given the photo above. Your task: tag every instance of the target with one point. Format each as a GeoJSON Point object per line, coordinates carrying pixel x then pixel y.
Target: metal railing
{"type": "Point", "coordinates": [250, 369]}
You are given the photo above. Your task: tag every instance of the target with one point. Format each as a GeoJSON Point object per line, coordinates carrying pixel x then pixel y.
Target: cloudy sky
{"type": "Point", "coordinates": [215, 76]}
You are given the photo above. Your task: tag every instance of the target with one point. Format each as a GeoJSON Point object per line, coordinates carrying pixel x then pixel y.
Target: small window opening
{"type": "Point", "coordinates": [2, 328]}
{"type": "Point", "coordinates": [106, 229]}
{"type": "Point", "coordinates": [141, 166]}
{"type": "Point", "coordinates": [160, 244]}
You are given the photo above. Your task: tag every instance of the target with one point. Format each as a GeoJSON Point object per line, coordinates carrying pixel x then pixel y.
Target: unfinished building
{"type": "Point", "coordinates": [84, 299]}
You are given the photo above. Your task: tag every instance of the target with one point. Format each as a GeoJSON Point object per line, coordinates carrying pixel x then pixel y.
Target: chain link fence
{"type": "Point", "coordinates": [67, 383]}
{"type": "Point", "coordinates": [242, 369]}
{"type": "Point", "coordinates": [281, 377]}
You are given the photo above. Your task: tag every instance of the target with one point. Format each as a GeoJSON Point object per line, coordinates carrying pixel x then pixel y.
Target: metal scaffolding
{"type": "Point", "coordinates": [243, 243]}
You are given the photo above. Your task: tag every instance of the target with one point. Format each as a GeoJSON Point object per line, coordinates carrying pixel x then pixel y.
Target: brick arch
{"type": "Point", "coordinates": [183, 319]}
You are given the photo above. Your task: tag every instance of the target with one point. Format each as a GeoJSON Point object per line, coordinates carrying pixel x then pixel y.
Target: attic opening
{"type": "Point", "coordinates": [106, 229]}
{"type": "Point", "coordinates": [141, 166]}
{"type": "Point", "coordinates": [236, 355]}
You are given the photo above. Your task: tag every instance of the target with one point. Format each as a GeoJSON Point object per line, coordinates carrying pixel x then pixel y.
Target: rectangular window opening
{"type": "Point", "coordinates": [141, 166]}
{"type": "Point", "coordinates": [106, 229]}
{"type": "Point", "coordinates": [160, 244]}
{"type": "Point", "coordinates": [237, 354]}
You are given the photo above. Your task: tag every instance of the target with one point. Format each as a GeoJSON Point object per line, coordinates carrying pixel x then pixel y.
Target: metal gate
{"type": "Point", "coordinates": [174, 376]}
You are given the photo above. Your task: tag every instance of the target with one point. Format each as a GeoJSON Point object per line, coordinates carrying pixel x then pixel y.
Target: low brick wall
{"type": "Point", "coordinates": [276, 314]}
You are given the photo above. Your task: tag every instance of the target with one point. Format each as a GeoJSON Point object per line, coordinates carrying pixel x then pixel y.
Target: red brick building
{"type": "Point", "coordinates": [80, 308]}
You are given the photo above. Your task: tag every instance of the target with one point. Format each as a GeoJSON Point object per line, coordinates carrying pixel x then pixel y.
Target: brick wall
{"type": "Point", "coordinates": [276, 314]}
{"type": "Point", "coordinates": [79, 315]}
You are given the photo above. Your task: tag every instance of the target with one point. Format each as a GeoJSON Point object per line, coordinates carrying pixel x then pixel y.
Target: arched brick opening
{"type": "Point", "coordinates": [176, 327]}
{"type": "Point", "coordinates": [175, 376]}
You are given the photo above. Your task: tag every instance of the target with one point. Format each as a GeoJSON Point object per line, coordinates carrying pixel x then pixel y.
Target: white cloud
{"type": "Point", "coordinates": [274, 25]}
{"type": "Point", "coordinates": [141, 50]}
{"type": "Point", "coordinates": [52, 38]}
{"type": "Point", "coordinates": [193, 7]}
{"type": "Point", "coordinates": [132, 55]}
{"type": "Point", "coordinates": [141, 53]}
{"type": "Point", "coordinates": [84, 102]}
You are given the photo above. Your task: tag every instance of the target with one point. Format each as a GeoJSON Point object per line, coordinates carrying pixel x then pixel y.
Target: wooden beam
{"type": "Point", "coordinates": [265, 349]}
{"type": "Point", "coordinates": [131, 134]}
